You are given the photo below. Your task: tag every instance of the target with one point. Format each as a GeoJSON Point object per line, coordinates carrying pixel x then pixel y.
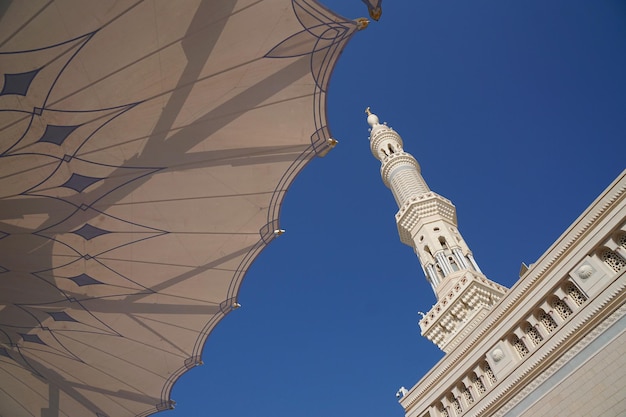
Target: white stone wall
{"type": "Point", "coordinates": [596, 388]}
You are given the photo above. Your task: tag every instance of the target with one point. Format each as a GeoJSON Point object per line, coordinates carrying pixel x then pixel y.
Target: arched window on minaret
{"type": "Point", "coordinates": [391, 149]}
{"type": "Point", "coordinates": [442, 241]}
{"type": "Point", "coordinates": [439, 271]}
{"type": "Point", "coordinates": [431, 267]}
{"type": "Point", "coordinates": [460, 259]}
{"type": "Point", "coordinates": [453, 263]}
{"type": "Point", "coordinates": [384, 151]}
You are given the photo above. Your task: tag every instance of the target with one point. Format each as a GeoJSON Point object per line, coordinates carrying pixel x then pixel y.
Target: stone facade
{"type": "Point", "coordinates": [594, 387]}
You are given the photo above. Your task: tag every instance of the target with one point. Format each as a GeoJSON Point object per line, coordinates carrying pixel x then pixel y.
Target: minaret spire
{"type": "Point", "coordinates": [427, 222]}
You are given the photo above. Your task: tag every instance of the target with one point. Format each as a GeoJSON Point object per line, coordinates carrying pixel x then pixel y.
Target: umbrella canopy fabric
{"type": "Point", "coordinates": [145, 149]}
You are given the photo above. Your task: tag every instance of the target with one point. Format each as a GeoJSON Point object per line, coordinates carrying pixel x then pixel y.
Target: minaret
{"type": "Point", "coordinates": [427, 222]}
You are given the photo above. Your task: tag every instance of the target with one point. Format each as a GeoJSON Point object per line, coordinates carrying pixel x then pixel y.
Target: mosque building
{"type": "Point", "coordinates": [553, 344]}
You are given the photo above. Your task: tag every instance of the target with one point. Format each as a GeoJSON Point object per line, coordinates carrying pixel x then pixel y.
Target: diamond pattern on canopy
{"type": "Point", "coordinates": [145, 148]}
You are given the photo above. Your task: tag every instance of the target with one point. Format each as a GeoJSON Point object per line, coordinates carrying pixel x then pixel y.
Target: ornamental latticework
{"type": "Point", "coordinates": [563, 309]}
{"type": "Point", "coordinates": [490, 375]}
{"type": "Point", "coordinates": [575, 294]}
{"type": "Point", "coordinates": [521, 348]}
{"type": "Point", "coordinates": [613, 260]}
{"type": "Point", "coordinates": [533, 335]}
{"type": "Point", "coordinates": [548, 322]}
{"type": "Point", "coordinates": [468, 395]}
{"type": "Point", "coordinates": [457, 406]}
{"type": "Point", "coordinates": [478, 383]}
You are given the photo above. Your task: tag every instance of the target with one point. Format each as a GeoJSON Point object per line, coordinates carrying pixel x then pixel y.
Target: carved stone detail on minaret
{"type": "Point", "coordinates": [418, 208]}
{"type": "Point", "coordinates": [460, 310]}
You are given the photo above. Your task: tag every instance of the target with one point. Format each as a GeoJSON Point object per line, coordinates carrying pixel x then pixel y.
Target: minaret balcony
{"type": "Point", "coordinates": [418, 210]}
{"type": "Point", "coordinates": [460, 309]}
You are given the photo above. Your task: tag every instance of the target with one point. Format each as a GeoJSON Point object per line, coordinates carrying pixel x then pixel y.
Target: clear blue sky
{"type": "Point", "coordinates": [516, 111]}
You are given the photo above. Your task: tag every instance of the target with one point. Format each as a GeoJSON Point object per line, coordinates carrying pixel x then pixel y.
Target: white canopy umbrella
{"type": "Point", "coordinates": [145, 149]}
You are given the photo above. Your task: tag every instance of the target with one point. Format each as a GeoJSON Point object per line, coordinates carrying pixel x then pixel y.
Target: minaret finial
{"type": "Point", "coordinates": [372, 119]}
